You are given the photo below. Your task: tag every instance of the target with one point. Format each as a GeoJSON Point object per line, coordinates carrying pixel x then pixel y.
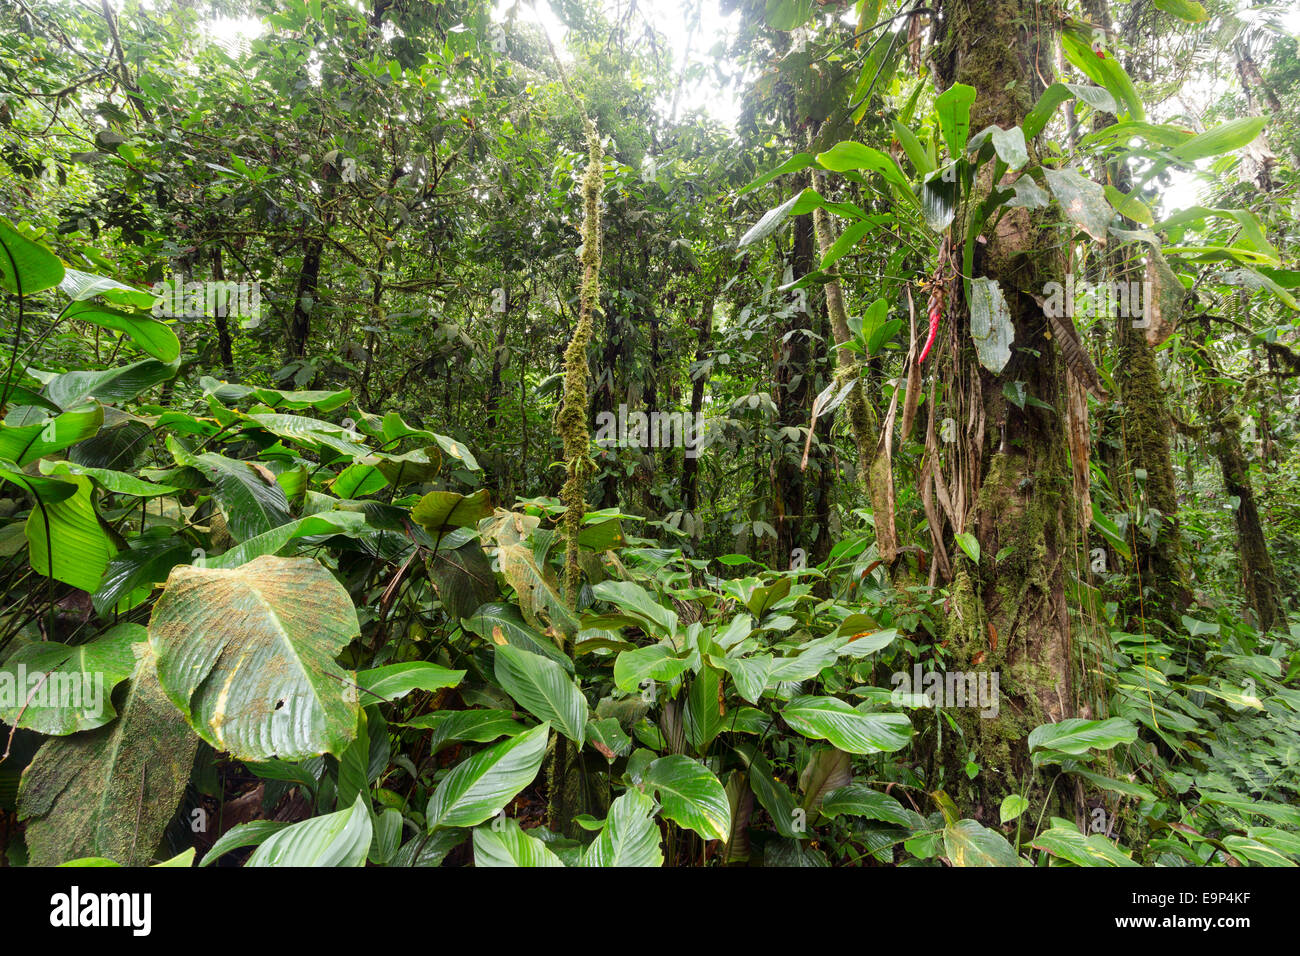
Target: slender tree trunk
{"type": "Point", "coordinates": [691, 466]}
{"type": "Point", "coordinates": [221, 319]}
{"type": "Point", "coordinates": [791, 389]}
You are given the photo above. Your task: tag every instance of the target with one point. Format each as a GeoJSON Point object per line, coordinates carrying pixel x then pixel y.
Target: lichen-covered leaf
{"type": "Point", "coordinates": [110, 792]}
{"type": "Point", "coordinates": [990, 324]}
{"type": "Point", "coordinates": [1082, 201]}
{"type": "Point", "coordinates": [247, 654]}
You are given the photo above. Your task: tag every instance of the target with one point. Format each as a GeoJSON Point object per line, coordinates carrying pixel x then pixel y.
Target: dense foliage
{"type": "Point", "coordinates": [427, 442]}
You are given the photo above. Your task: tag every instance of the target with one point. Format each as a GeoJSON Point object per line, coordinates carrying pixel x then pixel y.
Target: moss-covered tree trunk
{"type": "Point", "coordinates": [1008, 472]}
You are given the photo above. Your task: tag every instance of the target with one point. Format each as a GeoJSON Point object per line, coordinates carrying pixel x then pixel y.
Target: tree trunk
{"type": "Point", "coordinates": [1008, 478]}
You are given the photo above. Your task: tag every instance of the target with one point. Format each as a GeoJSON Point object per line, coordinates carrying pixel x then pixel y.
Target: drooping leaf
{"type": "Point", "coordinates": [25, 266]}
{"type": "Point", "coordinates": [57, 689]}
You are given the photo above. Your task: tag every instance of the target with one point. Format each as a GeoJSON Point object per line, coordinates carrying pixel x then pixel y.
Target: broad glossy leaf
{"type": "Point", "coordinates": [508, 845]}
{"type": "Point", "coordinates": [834, 720]}
{"type": "Point", "coordinates": [238, 837]}
{"type": "Point", "coordinates": [691, 796]}
{"type": "Point", "coordinates": [149, 335]}
{"type": "Point", "coordinates": [630, 836]}
{"type": "Point", "coordinates": [247, 654]}
{"type": "Point", "coordinates": [953, 108]}
{"type": "Point", "coordinates": [859, 800]}
{"type": "Point", "coordinates": [394, 681]}
{"type": "Point", "coordinates": [70, 530]}
{"type": "Point", "coordinates": [25, 266]}
{"type": "Point", "coordinates": [1077, 736]}
{"type": "Point", "coordinates": [967, 843]}
{"type": "Point", "coordinates": [544, 689]}
{"type": "Point", "coordinates": [334, 839]}
{"type": "Point", "coordinates": [479, 787]}
{"type": "Point", "coordinates": [1069, 844]}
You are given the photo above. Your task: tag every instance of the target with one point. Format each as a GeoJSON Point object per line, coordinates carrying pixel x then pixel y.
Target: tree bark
{"type": "Point", "coordinates": [1007, 475]}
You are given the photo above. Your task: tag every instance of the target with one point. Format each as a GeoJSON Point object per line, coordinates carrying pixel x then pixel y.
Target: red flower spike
{"type": "Point", "coordinates": [934, 330]}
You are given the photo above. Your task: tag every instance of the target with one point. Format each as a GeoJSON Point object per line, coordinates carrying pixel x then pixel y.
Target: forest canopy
{"type": "Point", "coordinates": [625, 433]}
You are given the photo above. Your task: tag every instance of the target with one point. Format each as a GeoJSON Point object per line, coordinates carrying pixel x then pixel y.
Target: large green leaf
{"type": "Point", "coordinates": [478, 788]}
{"type": "Point", "coordinates": [394, 681]}
{"type": "Point", "coordinates": [630, 836]}
{"type": "Point", "coordinates": [66, 541]}
{"type": "Point", "coordinates": [544, 689]}
{"type": "Point", "coordinates": [334, 839]}
{"type": "Point", "coordinates": [26, 267]}
{"type": "Point", "coordinates": [691, 796]}
{"type": "Point", "coordinates": [109, 386]}
{"type": "Point", "coordinates": [502, 623]}
{"type": "Point", "coordinates": [79, 286]}
{"type": "Point", "coordinates": [953, 107]}
{"type": "Point", "coordinates": [829, 718]}
{"type": "Point", "coordinates": [252, 501]}
{"type": "Point", "coordinates": [111, 791]}
{"type": "Point", "coordinates": [859, 800]}
{"type": "Point", "coordinates": [1077, 736]}
{"type": "Point", "coordinates": [59, 690]}
{"type": "Point", "coordinates": [658, 662]}
{"type": "Point", "coordinates": [1069, 844]}
{"type": "Point", "coordinates": [27, 442]}
{"type": "Point", "coordinates": [238, 837]}
{"type": "Point", "coordinates": [505, 844]}
{"type": "Point", "coordinates": [247, 654]}
{"type": "Point", "coordinates": [441, 511]}
{"type": "Point", "coordinates": [145, 331]}
{"type": "Point", "coordinates": [640, 603]}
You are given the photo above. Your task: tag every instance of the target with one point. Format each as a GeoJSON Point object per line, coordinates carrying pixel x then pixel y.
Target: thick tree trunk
{"type": "Point", "coordinates": [1007, 475]}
